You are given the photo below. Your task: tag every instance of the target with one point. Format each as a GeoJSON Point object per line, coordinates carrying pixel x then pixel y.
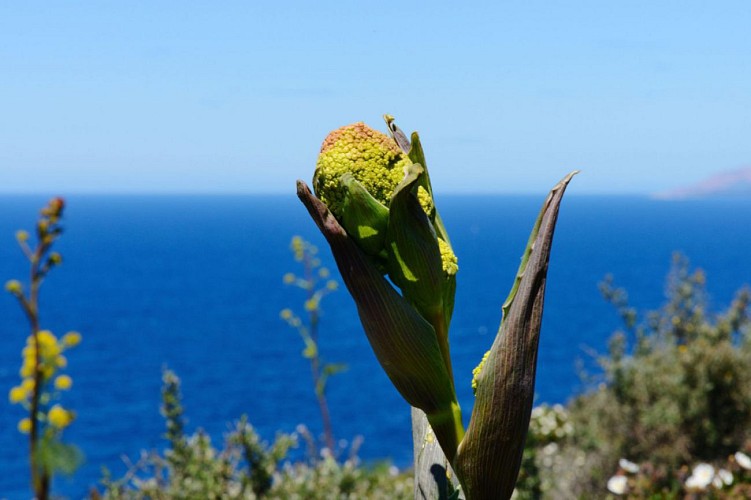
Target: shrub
{"type": "Point", "coordinates": [246, 467]}
{"type": "Point", "coordinates": [674, 393]}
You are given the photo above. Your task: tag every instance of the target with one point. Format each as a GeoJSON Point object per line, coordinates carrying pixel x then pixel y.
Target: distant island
{"type": "Point", "coordinates": [732, 183]}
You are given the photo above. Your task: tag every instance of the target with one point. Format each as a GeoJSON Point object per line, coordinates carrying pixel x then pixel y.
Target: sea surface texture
{"type": "Point", "coordinates": [194, 283]}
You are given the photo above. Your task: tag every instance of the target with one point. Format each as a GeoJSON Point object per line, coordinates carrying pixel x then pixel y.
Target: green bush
{"type": "Point", "coordinates": [675, 393]}
{"type": "Point", "coordinates": [247, 467]}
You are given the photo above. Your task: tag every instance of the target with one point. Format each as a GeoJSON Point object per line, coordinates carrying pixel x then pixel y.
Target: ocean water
{"type": "Point", "coordinates": [194, 283]}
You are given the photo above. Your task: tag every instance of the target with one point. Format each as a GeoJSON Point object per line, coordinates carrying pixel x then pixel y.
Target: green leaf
{"type": "Point", "coordinates": [54, 456]}
{"type": "Point", "coordinates": [417, 155]}
{"type": "Point", "coordinates": [334, 368]}
{"type": "Point", "coordinates": [363, 217]}
{"type": "Point", "coordinates": [490, 454]}
{"type": "Point", "coordinates": [414, 257]}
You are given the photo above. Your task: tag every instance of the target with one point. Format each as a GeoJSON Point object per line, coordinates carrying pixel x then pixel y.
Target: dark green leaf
{"type": "Point", "coordinates": [490, 454]}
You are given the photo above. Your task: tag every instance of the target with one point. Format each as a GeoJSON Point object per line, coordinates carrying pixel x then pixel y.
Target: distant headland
{"type": "Point", "coordinates": [731, 183]}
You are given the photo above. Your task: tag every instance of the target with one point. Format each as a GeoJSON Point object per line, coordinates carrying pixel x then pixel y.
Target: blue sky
{"type": "Point", "coordinates": [236, 97]}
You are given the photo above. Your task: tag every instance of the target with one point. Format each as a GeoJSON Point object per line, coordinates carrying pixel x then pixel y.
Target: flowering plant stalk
{"type": "Point", "coordinates": [43, 360]}
{"type": "Point", "coordinates": [306, 254]}
{"type": "Point", "coordinates": [374, 205]}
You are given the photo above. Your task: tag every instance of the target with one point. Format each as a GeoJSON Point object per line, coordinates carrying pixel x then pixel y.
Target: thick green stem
{"type": "Point", "coordinates": [448, 429]}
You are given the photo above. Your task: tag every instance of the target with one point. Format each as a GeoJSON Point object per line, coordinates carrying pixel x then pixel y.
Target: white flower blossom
{"type": "Point", "coordinates": [618, 485]}
{"type": "Point", "coordinates": [628, 466]}
{"type": "Point", "coordinates": [700, 477]}
{"type": "Point", "coordinates": [726, 476]}
{"type": "Point", "coordinates": [743, 460]}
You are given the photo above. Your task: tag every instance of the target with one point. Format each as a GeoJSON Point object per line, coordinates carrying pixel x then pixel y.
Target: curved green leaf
{"type": "Point", "coordinates": [489, 456]}
{"type": "Point", "coordinates": [363, 217]}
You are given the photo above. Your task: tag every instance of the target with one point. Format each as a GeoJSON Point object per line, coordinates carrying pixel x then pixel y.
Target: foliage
{"type": "Point", "coordinates": [42, 379]}
{"type": "Point", "coordinates": [313, 274]}
{"type": "Point", "coordinates": [245, 468]}
{"type": "Point", "coordinates": [671, 409]}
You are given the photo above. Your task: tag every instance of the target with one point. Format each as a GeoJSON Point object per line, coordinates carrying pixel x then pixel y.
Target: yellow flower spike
{"type": "Point", "coordinates": [63, 383]}
{"type": "Point", "coordinates": [17, 394]}
{"type": "Point", "coordinates": [448, 259]}
{"type": "Point", "coordinates": [71, 339]}
{"type": "Point", "coordinates": [24, 426]}
{"type": "Point", "coordinates": [59, 417]}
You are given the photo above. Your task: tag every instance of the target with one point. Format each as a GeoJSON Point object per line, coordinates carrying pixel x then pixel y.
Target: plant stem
{"type": "Point", "coordinates": [315, 362]}
{"type": "Point", "coordinates": [40, 480]}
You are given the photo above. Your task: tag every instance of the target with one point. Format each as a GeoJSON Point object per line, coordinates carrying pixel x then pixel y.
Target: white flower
{"type": "Point", "coordinates": [726, 476]}
{"type": "Point", "coordinates": [617, 485]}
{"type": "Point", "coordinates": [743, 460]}
{"type": "Point", "coordinates": [701, 477]}
{"type": "Point", "coordinates": [550, 449]}
{"type": "Point", "coordinates": [717, 482]}
{"type": "Point", "coordinates": [628, 466]}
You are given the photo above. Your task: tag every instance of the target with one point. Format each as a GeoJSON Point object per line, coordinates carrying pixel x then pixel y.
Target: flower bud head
{"type": "Point", "coordinates": [14, 287]}
{"type": "Point", "coordinates": [63, 382]}
{"type": "Point", "coordinates": [59, 417]}
{"type": "Point", "coordinates": [373, 158]}
{"type": "Point", "coordinates": [71, 339]}
{"type": "Point", "coordinates": [24, 426]}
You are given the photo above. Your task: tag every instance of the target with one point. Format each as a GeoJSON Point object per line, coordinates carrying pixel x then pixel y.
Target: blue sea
{"type": "Point", "coordinates": [194, 283]}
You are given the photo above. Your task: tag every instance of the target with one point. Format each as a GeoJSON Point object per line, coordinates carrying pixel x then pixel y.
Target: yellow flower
{"type": "Point", "coordinates": [71, 339]}
{"type": "Point", "coordinates": [59, 417]}
{"type": "Point", "coordinates": [48, 346]}
{"type": "Point", "coordinates": [22, 236]}
{"type": "Point", "coordinates": [24, 426]}
{"type": "Point", "coordinates": [17, 394]}
{"type": "Point", "coordinates": [46, 338]}
{"type": "Point", "coordinates": [289, 278]}
{"type": "Point", "coordinates": [29, 351]}
{"type": "Point", "coordinates": [63, 383]}
{"type": "Point", "coordinates": [27, 369]}
{"type": "Point", "coordinates": [311, 305]}
{"type": "Point", "coordinates": [47, 371]}
{"type": "Point", "coordinates": [286, 314]}
{"type": "Point", "coordinates": [13, 286]}
{"type": "Point", "coordinates": [28, 384]}
{"type": "Point", "coordinates": [61, 361]}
